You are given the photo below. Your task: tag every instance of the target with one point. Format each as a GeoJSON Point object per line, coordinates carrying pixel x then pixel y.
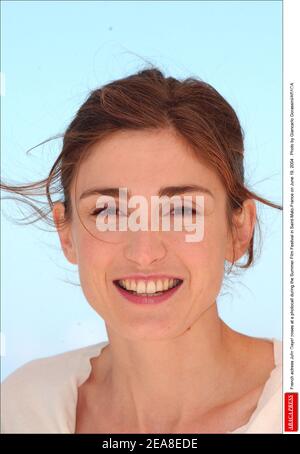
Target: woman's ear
{"type": "Point", "coordinates": [243, 223]}
{"type": "Point", "coordinates": [65, 232]}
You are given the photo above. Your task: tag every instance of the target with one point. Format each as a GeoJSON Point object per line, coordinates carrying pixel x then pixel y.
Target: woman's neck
{"type": "Point", "coordinates": [179, 378]}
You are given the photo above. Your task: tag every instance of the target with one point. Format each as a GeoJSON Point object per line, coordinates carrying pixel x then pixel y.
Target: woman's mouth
{"type": "Point", "coordinates": [147, 291]}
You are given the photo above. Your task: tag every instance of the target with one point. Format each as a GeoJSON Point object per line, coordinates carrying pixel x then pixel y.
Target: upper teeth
{"type": "Point", "coordinates": [141, 286]}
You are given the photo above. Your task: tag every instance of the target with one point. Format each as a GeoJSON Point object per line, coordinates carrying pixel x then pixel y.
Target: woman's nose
{"type": "Point", "coordinates": [144, 247]}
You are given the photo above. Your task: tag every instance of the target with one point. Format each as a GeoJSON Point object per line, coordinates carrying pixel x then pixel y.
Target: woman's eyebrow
{"type": "Point", "coordinates": [168, 191]}
{"type": "Point", "coordinates": [176, 190]}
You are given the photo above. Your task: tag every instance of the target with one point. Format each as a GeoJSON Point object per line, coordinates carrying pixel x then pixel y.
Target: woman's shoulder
{"type": "Point", "coordinates": [274, 379]}
{"type": "Point", "coordinates": [267, 417]}
{"type": "Point", "coordinates": [44, 389]}
{"type": "Point", "coordinates": [50, 369]}
{"type": "Point", "coordinates": [277, 351]}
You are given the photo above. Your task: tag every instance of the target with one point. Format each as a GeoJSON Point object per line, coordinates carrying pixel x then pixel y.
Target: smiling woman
{"type": "Point", "coordinates": [154, 136]}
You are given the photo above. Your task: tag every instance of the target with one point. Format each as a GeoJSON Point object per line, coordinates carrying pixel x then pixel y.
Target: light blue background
{"type": "Point", "coordinates": [53, 53]}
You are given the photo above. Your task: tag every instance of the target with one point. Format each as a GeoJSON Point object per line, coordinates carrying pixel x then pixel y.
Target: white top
{"type": "Point", "coordinates": [41, 396]}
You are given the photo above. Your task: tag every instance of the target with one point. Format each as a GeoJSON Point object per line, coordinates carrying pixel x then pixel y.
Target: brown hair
{"type": "Point", "coordinates": [149, 100]}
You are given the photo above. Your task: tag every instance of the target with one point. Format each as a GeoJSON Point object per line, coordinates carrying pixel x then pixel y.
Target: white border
{"type": "Point", "coordinates": [290, 75]}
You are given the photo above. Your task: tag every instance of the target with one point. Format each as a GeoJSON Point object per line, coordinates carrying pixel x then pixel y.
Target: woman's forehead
{"type": "Point", "coordinates": [145, 160]}
{"type": "Point", "coordinates": [144, 146]}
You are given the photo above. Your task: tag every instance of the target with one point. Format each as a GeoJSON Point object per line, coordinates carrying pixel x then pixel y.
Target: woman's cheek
{"type": "Point", "coordinates": [91, 265]}
{"type": "Point", "coordinates": [90, 250]}
{"type": "Point", "coordinates": [93, 282]}
{"type": "Point", "coordinates": [205, 261]}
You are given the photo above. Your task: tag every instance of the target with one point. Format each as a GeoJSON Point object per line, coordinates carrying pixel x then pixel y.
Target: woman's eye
{"type": "Point", "coordinates": [108, 211]}
{"type": "Point", "coordinates": [184, 211]}
{"type": "Point", "coordinates": [187, 211]}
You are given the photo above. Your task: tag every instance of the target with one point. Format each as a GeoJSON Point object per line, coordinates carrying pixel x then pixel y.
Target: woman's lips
{"type": "Point", "coordinates": [137, 299]}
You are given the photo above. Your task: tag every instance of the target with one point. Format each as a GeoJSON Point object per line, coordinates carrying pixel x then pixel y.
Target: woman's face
{"type": "Point", "coordinates": [144, 162]}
